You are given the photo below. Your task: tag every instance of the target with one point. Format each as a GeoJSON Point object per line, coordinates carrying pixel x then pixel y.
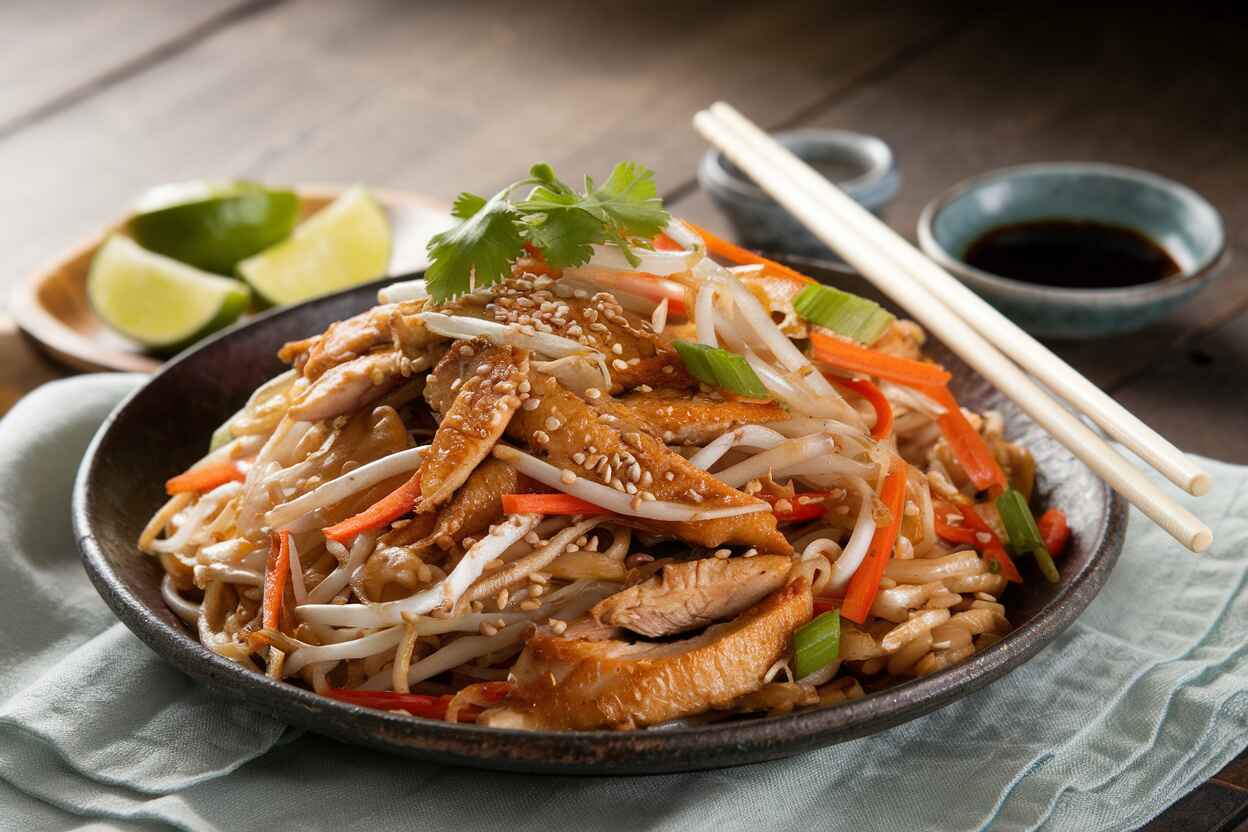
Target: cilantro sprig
{"type": "Point", "coordinates": [562, 223]}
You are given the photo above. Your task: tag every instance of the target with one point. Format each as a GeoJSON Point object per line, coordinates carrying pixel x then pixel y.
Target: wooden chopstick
{"type": "Point", "coordinates": [1008, 337]}
{"type": "Point", "coordinates": [826, 219]}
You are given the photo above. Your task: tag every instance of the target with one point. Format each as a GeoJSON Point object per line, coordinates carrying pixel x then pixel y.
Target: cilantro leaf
{"type": "Point", "coordinates": [564, 224]}
{"type": "Point", "coordinates": [628, 201]}
{"type": "Point", "coordinates": [484, 244]}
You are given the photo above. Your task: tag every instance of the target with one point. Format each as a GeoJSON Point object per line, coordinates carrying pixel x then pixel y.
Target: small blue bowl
{"type": "Point", "coordinates": [863, 166]}
{"type": "Point", "coordinates": [1172, 215]}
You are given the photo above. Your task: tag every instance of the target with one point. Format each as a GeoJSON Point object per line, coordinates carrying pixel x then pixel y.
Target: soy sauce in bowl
{"type": "Point", "coordinates": [1072, 254]}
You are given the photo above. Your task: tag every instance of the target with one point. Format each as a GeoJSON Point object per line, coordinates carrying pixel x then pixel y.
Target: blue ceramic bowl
{"type": "Point", "coordinates": [861, 165]}
{"type": "Point", "coordinates": [1172, 215]}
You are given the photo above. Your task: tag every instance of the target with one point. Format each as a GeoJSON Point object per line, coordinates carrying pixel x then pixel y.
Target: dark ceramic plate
{"type": "Point", "coordinates": [165, 426]}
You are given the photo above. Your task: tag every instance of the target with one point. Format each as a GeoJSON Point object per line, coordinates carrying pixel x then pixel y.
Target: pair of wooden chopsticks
{"type": "Point", "coordinates": [979, 334]}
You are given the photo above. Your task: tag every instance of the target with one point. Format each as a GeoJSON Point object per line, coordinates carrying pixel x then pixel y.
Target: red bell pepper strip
{"type": "Point", "coordinates": [865, 583]}
{"type": "Point", "coordinates": [969, 534]}
{"type": "Point", "coordinates": [883, 410]}
{"type": "Point", "coordinates": [796, 510]}
{"type": "Point", "coordinates": [1054, 530]}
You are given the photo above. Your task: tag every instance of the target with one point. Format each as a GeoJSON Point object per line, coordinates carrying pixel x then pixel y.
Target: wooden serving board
{"type": "Point", "coordinates": [51, 305]}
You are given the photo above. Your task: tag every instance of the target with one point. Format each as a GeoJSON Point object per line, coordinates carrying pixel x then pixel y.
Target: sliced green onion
{"type": "Point", "coordinates": [1023, 534]}
{"type": "Point", "coordinates": [817, 644]}
{"type": "Point", "coordinates": [720, 368]}
{"type": "Point", "coordinates": [856, 318]}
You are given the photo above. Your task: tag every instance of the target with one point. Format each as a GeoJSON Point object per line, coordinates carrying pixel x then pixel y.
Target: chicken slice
{"type": "Point", "coordinates": [583, 685]}
{"type": "Point", "coordinates": [483, 404]}
{"type": "Point", "coordinates": [690, 595]}
{"type": "Point", "coordinates": [682, 416]}
{"type": "Point", "coordinates": [621, 453]}
{"type": "Point", "coordinates": [341, 342]}
{"type": "Point", "coordinates": [352, 385]}
{"type": "Point", "coordinates": [477, 505]}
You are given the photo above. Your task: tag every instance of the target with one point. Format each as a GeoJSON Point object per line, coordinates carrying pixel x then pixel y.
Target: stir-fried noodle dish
{"type": "Point", "coordinates": [602, 469]}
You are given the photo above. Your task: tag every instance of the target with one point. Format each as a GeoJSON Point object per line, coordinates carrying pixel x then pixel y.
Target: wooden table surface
{"type": "Point", "coordinates": [103, 100]}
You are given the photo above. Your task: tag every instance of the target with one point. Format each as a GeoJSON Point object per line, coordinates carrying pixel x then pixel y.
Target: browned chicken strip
{"type": "Point", "coordinates": [350, 386]}
{"type": "Point", "coordinates": [679, 416]}
{"type": "Point", "coordinates": [484, 401]}
{"type": "Point", "coordinates": [341, 342]}
{"type": "Point", "coordinates": [583, 685]}
{"type": "Point", "coordinates": [691, 595]}
{"type": "Point", "coordinates": [477, 505]}
{"type": "Point", "coordinates": [619, 452]}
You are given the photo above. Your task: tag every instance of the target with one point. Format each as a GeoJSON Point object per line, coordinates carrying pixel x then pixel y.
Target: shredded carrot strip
{"type": "Point", "coordinates": [883, 410]}
{"type": "Point", "coordinates": [993, 549]}
{"type": "Point", "coordinates": [967, 445]}
{"type": "Point", "coordinates": [740, 256]}
{"type": "Point", "coordinates": [548, 504]}
{"type": "Point", "coordinates": [865, 583]}
{"type": "Point", "coordinates": [276, 570]}
{"type": "Point", "coordinates": [858, 359]}
{"type": "Point", "coordinates": [205, 478]}
{"type": "Point", "coordinates": [389, 508]}
{"type": "Point", "coordinates": [666, 243]}
{"type": "Point", "coordinates": [1054, 530]}
{"type": "Point", "coordinates": [419, 704]}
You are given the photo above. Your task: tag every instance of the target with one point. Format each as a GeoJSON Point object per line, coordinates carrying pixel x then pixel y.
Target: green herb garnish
{"type": "Point", "coordinates": [556, 219]}
{"type": "Point", "coordinates": [817, 644]}
{"type": "Point", "coordinates": [1023, 534]}
{"type": "Point", "coordinates": [845, 314]}
{"type": "Point", "coordinates": [720, 368]}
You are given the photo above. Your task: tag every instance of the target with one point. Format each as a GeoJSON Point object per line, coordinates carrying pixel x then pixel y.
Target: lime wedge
{"type": "Point", "coordinates": [157, 301]}
{"type": "Point", "coordinates": [213, 225]}
{"type": "Point", "coordinates": [344, 244]}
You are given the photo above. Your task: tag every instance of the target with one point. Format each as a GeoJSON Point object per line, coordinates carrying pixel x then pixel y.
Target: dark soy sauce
{"type": "Point", "coordinates": [1071, 254]}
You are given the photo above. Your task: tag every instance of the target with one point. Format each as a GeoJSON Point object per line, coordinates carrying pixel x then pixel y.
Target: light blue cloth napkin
{"type": "Point", "coordinates": [1141, 700]}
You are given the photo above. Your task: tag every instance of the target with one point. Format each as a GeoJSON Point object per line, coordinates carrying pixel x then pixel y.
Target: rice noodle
{"type": "Point", "coordinates": [616, 501]}
{"type": "Point", "coordinates": [355, 649]}
{"type": "Point", "coordinates": [297, 585]}
{"type": "Point", "coordinates": [658, 263]}
{"type": "Point", "coordinates": [859, 540]}
{"type": "Point", "coordinates": [748, 436]}
{"type": "Point", "coordinates": [780, 458]}
{"type": "Point", "coordinates": [195, 516]}
{"type": "Point", "coordinates": [188, 611]}
{"type": "Point", "coordinates": [683, 235]}
{"type": "Point", "coordinates": [442, 595]}
{"type": "Point", "coordinates": [336, 581]}
{"type": "Point", "coordinates": [522, 568]}
{"type": "Point", "coordinates": [542, 343]}
{"type": "Point", "coordinates": [340, 488]}
{"type": "Point", "coordinates": [578, 373]}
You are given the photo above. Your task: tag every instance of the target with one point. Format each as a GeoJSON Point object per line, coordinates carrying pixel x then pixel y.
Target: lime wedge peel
{"type": "Point", "coordinates": [213, 225]}
{"type": "Point", "coordinates": [157, 301]}
{"type": "Point", "coordinates": [344, 244]}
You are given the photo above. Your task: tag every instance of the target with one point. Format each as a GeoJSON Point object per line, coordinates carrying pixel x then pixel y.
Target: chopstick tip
{"type": "Point", "coordinates": [1199, 484]}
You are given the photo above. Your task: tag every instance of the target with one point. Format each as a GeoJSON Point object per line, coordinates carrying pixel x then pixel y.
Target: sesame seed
{"type": "Point", "coordinates": [619, 364]}
{"type": "Point", "coordinates": [455, 384]}
{"type": "Point", "coordinates": [750, 552]}
{"type": "Point", "coordinates": [634, 472]}
{"type": "Point", "coordinates": [488, 629]}
{"type": "Point", "coordinates": [466, 351]}
{"type": "Point", "coordinates": [477, 606]}
{"type": "Point", "coordinates": [630, 488]}
{"type": "Point", "coordinates": [530, 604]}
{"type": "Point", "coordinates": [668, 369]}
{"type": "Point", "coordinates": [578, 458]}
{"type": "Point", "coordinates": [531, 404]}
{"type": "Point", "coordinates": [617, 348]}
{"type": "Point", "coordinates": [531, 538]}
{"type": "Point", "coordinates": [572, 547]}
{"type": "Point", "coordinates": [552, 423]}
{"type": "Point", "coordinates": [593, 393]}
{"type": "Point", "coordinates": [635, 504]}
{"type": "Point", "coordinates": [537, 590]}
{"type": "Point", "coordinates": [912, 508]}
{"type": "Point", "coordinates": [723, 554]}
{"type": "Point", "coordinates": [483, 369]}
{"type": "Point", "coordinates": [668, 436]}
{"type": "Point", "coordinates": [504, 387]}
{"type": "Point", "coordinates": [983, 537]}
{"type": "Point", "coordinates": [783, 506]}
{"type": "Point", "coordinates": [567, 477]}
{"type": "Point", "coordinates": [558, 626]}
{"type": "Point", "coordinates": [669, 475]}
{"type": "Point", "coordinates": [541, 437]}
{"type": "Point", "coordinates": [503, 597]}
{"type": "Point", "coordinates": [539, 578]}
{"type": "Point", "coordinates": [648, 497]}
{"type": "Point", "coordinates": [524, 386]}
{"type": "Point", "coordinates": [580, 294]}
{"type": "Point", "coordinates": [617, 485]}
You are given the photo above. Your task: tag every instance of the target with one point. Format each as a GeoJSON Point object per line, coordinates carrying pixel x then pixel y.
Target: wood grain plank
{"type": "Point", "coordinates": [1236, 773]}
{"type": "Point", "coordinates": [434, 97]}
{"type": "Point", "coordinates": [55, 50]}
